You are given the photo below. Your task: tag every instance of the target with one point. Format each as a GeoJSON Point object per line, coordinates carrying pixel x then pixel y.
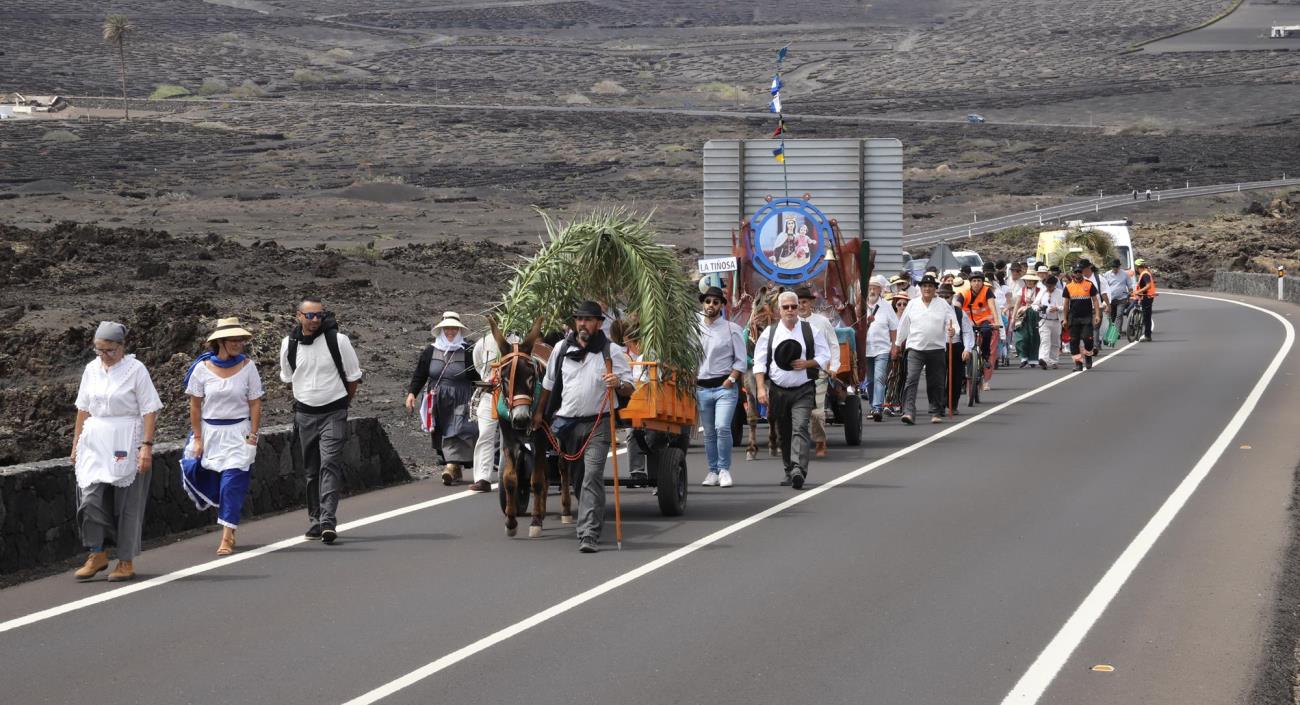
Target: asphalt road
{"type": "Point", "coordinates": [934, 564]}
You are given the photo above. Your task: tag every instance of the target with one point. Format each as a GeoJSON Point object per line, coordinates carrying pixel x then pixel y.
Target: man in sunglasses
{"type": "Point", "coordinates": [717, 383]}
{"type": "Point", "coordinates": [325, 376]}
{"type": "Point", "coordinates": [788, 358]}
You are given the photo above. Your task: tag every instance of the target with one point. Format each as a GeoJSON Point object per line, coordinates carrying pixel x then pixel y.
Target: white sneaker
{"type": "Point", "coordinates": [710, 480]}
{"type": "Point", "coordinates": [724, 478]}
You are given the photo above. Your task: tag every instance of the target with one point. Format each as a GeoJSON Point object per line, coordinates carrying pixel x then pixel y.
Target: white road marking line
{"type": "Point", "coordinates": [612, 584]}
{"type": "Point", "coordinates": [1042, 672]}
{"type": "Point", "coordinates": [172, 577]}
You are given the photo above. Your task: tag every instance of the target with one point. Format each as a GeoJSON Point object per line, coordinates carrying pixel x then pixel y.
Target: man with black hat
{"type": "Point", "coordinates": [578, 367]}
{"type": "Point", "coordinates": [926, 326]}
{"type": "Point", "coordinates": [787, 360]}
{"type": "Point", "coordinates": [963, 346]}
{"type": "Point", "coordinates": [827, 329]}
{"type": "Point", "coordinates": [717, 383]}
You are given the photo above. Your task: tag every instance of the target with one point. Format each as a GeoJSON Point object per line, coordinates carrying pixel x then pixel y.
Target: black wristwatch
{"type": "Point", "coordinates": [146, 443]}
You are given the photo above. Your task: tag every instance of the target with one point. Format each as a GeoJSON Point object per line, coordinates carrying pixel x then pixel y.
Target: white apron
{"type": "Point", "coordinates": [109, 450]}
{"type": "Point", "coordinates": [224, 447]}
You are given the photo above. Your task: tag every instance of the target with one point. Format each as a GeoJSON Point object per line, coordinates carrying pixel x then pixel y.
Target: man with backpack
{"type": "Point", "coordinates": [788, 359]}
{"type": "Point", "coordinates": [587, 371]}
{"type": "Point", "coordinates": [324, 376]}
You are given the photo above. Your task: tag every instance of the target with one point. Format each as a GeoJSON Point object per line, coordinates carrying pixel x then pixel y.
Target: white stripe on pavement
{"type": "Point", "coordinates": [612, 584]}
{"type": "Point", "coordinates": [223, 562]}
{"type": "Point", "coordinates": [1042, 672]}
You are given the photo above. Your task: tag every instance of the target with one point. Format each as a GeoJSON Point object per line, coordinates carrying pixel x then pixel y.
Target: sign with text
{"type": "Point", "coordinates": [716, 265]}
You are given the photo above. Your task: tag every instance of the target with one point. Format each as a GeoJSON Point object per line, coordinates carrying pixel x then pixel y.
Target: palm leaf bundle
{"type": "Point", "coordinates": [1094, 244]}
{"type": "Point", "coordinates": [611, 256]}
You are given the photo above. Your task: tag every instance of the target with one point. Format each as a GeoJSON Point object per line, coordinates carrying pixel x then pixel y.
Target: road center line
{"type": "Point", "coordinates": [616, 582]}
{"type": "Point", "coordinates": [1042, 672]}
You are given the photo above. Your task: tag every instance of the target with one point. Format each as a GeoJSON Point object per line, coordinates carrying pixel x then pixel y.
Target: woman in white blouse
{"type": "Point", "coordinates": [225, 393]}
{"type": "Point", "coordinates": [117, 410]}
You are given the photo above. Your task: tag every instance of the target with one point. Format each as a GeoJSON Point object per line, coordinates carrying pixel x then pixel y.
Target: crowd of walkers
{"type": "Point", "coordinates": [778, 366]}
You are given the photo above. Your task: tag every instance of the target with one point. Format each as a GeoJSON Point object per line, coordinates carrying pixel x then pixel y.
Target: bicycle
{"type": "Point", "coordinates": [1136, 323]}
{"type": "Point", "coordinates": [975, 366]}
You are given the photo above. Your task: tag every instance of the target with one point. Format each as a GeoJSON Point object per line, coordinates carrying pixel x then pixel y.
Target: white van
{"type": "Point", "coordinates": [1118, 232]}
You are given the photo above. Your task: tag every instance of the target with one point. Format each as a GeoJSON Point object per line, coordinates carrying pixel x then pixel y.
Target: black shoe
{"type": "Point", "coordinates": [1087, 362]}
{"type": "Point", "coordinates": [1078, 367]}
{"type": "Point", "coordinates": [908, 420]}
{"type": "Point", "coordinates": [877, 416]}
{"type": "Point", "coordinates": [1042, 365]}
{"type": "Point", "coordinates": [587, 545]}
{"type": "Point", "coordinates": [786, 481]}
{"type": "Point", "coordinates": [796, 480]}
{"type": "Point", "coordinates": [1024, 364]}
{"type": "Point", "coordinates": [328, 536]}
{"type": "Point", "coordinates": [313, 534]}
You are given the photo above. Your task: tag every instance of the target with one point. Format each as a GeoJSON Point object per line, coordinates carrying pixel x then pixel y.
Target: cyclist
{"type": "Point", "coordinates": [1082, 315]}
{"type": "Point", "coordinates": [1144, 294]}
{"type": "Point", "coordinates": [980, 305]}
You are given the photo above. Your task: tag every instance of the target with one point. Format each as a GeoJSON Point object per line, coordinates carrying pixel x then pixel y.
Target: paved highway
{"type": "Point", "coordinates": [1079, 208]}
{"type": "Point", "coordinates": [995, 559]}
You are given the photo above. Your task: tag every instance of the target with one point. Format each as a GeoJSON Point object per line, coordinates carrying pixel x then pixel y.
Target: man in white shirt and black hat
{"type": "Point", "coordinates": [925, 329]}
{"type": "Point", "coordinates": [787, 360]}
{"type": "Point", "coordinates": [325, 375]}
{"type": "Point", "coordinates": [823, 325]}
{"type": "Point", "coordinates": [717, 383]}
{"type": "Point", "coordinates": [578, 368]}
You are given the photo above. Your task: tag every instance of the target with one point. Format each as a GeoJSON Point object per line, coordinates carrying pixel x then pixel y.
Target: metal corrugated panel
{"type": "Point", "coordinates": [851, 180]}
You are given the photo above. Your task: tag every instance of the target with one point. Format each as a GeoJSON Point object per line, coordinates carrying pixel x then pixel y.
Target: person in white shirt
{"type": "Point", "coordinates": [320, 364]}
{"type": "Point", "coordinates": [485, 353]}
{"type": "Point", "coordinates": [1050, 303]}
{"type": "Point", "coordinates": [577, 366]}
{"type": "Point", "coordinates": [225, 393]}
{"type": "Point", "coordinates": [717, 383]}
{"type": "Point", "coordinates": [1118, 285]}
{"type": "Point", "coordinates": [827, 329]}
{"type": "Point", "coordinates": [112, 446]}
{"type": "Point", "coordinates": [925, 328]}
{"type": "Point", "coordinates": [882, 327]}
{"type": "Point", "coordinates": [786, 369]}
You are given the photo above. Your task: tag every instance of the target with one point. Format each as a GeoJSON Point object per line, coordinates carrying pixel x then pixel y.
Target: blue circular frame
{"type": "Point", "coordinates": [817, 259]}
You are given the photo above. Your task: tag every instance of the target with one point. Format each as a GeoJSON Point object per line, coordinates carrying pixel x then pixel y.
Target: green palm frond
{"type": "Point", "coordinates": [1094, 244]}
{"type": "Point", "coordinates": [611, 256]}
{"type": "Point", "coordinates": [116, 28]}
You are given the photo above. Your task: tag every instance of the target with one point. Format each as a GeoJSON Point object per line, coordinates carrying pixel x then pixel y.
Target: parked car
{"type": "Point", "coordinates": [975, 119]}
{"type": "Point", "coordinates": [969, 258]}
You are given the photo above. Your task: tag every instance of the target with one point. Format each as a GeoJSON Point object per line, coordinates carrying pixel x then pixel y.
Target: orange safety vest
{"type": "Point", "coordinates": [1146, 291]}
{"type": "Point", "coordinates": [980, 312]}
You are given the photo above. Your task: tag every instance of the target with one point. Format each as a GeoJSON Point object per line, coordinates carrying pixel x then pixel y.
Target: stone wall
{"type": "Point", "coordinates": [38, 501]}
{"type": "Point", "coordinates": [1262, 285]}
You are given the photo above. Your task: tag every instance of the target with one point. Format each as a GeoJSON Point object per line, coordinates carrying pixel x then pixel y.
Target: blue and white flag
{"type": "Point", "coordinates": [776, 84]}
{"type": "Point", "coordinates": [775, 105]}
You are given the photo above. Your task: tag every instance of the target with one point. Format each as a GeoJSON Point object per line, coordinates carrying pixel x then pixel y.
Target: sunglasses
{"type": "Point", "coordinates": [105, 352]}
{"type": "Point", "coordinates": [312, 315]}
{"type": "Point", "coordinates": [718, 302]}
{"type": "Point", "coordinates": [789, 307]}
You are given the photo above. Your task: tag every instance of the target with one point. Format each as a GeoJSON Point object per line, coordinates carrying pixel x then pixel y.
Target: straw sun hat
{"type": "Point", "coordinates": [450, 319]}
{"type": "Point", "coordinates": [228, 328]}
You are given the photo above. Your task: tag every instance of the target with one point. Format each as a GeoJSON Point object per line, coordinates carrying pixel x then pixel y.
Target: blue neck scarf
{"type": "Point", "coordinates": [211, 356]}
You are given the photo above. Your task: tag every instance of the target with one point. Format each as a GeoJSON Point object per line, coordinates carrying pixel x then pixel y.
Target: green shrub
{"type": "Point", "coordinates": [213, 86]}
{"type": "Point", "coordinates": [166, 90]}
{"type": "Point", "coordinates": [308, 76]}
{"type": "Point", "coordinates": [248, 89]}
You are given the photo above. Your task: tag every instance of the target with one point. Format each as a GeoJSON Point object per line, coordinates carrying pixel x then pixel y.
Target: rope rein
{"type": "Point", "coordinates": [506, 385]}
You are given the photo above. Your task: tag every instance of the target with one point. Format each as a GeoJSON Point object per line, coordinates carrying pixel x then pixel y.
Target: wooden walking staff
{"type": "Point", "coordinates": [612, 399]}
{"type": "Point", "coordinates": [950, 376]}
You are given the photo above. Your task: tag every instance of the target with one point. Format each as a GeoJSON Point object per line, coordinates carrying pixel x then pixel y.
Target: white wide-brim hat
{"type": "Point", "coordinates": [450, 319]}
{"type": "Point", "coordinates": [228, 328]}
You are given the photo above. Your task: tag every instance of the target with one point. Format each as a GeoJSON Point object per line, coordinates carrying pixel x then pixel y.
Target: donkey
{"type": "Point", "coordinates": [519, 375]}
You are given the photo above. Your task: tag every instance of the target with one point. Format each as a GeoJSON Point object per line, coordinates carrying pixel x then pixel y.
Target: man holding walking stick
{"type": "Point", "coordinates": [588, 372]}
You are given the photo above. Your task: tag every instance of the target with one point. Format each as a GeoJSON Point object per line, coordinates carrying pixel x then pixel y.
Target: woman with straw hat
{"type": "Point", "coordinates": [225, 393]}
{"type": "Point", "coordinates": [444, 380]}
{"type": "Point", "coordinates": [112, 447]}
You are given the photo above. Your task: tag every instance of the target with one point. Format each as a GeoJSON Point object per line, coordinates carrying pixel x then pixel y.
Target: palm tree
{"type": "Point", "coordinates": [116, 27]}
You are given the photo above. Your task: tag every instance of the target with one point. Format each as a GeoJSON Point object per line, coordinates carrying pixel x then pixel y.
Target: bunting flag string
{"type": "Point", "coordinates": [775, 107]}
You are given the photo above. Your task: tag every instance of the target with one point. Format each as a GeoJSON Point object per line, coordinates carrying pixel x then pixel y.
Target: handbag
{"type": "Point", "coordinates": [1112, 334]}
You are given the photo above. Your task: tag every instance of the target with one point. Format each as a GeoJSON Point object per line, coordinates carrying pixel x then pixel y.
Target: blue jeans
{"type": "Point", "coordinates": [877, 374]}
{"type": "Point", "coordinates": [717, 407]}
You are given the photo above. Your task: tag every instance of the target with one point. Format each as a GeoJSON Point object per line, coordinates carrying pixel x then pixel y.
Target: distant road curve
{"type": "Point", "coordinates": [617, 110]}
{"type": "Point", "coordinates": [1091, 205]}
